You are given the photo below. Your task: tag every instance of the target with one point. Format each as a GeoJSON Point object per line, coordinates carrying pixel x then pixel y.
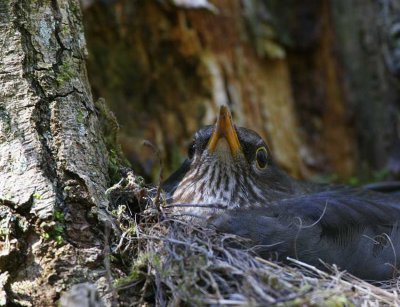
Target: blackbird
{"type": "Point", "coordinates": [231, 181]}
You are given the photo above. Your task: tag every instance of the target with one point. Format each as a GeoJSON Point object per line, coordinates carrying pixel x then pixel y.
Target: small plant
{"type": "Point", "coordinates": [54, 230]}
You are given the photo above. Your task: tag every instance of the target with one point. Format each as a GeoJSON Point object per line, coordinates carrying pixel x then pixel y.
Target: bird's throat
{"type": "Point", "coordinates": [223, 151]}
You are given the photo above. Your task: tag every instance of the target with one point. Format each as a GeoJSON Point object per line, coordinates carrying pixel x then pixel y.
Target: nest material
{"type": "Point", "coordinates": [173, 262]}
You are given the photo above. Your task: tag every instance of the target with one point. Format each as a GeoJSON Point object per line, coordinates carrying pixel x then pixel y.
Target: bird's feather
{"type": "Point", "coordinates": [356, 229]}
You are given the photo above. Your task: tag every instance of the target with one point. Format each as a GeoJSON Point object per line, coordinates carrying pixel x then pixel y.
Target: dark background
{"type": "Point", "coordinates": [318, 79]}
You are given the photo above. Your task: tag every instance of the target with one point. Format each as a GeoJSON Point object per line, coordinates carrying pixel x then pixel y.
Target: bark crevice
{"type": "Point", "coordinates": [53, 161]}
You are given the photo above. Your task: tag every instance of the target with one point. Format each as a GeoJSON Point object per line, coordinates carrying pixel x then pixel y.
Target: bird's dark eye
{"type": "Point", "coordinates": [261, 157]}
{"type": "Point", "coordinates": [191, 150]}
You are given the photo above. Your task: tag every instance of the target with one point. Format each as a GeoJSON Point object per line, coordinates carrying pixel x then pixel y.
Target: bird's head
{"type": "Point", "coordinates": [227, 167]}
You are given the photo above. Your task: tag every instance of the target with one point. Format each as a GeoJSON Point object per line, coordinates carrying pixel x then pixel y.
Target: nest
{"type": "Point", "coordinates": [170, 261]}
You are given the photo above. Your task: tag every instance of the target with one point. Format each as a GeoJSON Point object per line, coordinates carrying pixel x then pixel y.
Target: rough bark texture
{"type": "Point", "coordinates": [312, 77]}
{"type": "Point", "coordinates": [53, 161]}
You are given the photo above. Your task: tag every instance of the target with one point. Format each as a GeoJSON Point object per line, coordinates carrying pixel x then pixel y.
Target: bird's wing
{"type": "Point", "coordinates": [330, 213]}
{"type": "Point", "coordinates": [342, 207]}
{"type": "Point", "coordinates": [356, 229]}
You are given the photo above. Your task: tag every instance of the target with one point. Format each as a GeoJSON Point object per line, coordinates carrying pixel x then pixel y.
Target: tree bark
{"type": "Point", "coordinates": [53, 160]}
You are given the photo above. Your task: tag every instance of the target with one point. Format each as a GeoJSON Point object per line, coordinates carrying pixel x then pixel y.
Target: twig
{"type": "Point", "coordinates": [356, 286]}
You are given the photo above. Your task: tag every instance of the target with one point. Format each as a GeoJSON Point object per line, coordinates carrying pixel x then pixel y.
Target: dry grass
{"type": "Point", "coordinates": [173, 262]}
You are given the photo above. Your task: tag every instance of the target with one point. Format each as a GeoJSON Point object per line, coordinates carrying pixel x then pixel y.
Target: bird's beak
{"type": "Point", "coordinates": [224, 129]}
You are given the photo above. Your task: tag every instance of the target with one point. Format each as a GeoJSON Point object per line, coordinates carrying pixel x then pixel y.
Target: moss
{"type": "Point", "coordinates": [75, 9]}
{"type": "Point", "coordinates": [66, 71]}
{"type": "Point", "coordinates": [37, 196]}
{"type": "Point", "coordinates": [139, 180]}
{"type": "Point", "coordinates": [80, 116]}
{"type": "Point", "coordinates": [136, 271]}
{"type": "Point", "coordinates": [65, 30]}
{"type": "Point", "coordinates": [114, 164]}
{"type": "Point", "coordinates": [59, 216]}
{"type": "Point", "coordinates": [338, 301]}
{"type": "Point", "coordinates": [110, 129]}
{"type": "Point", "coordinates": [55, 232]}
{"type": "Point", "coordinates": [54, 229]}
{"type": "Point", "coordinates": [119, 211]}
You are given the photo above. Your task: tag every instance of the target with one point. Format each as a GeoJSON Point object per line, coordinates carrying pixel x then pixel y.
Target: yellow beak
{"type": "Point", "coordinates": [224, 129]}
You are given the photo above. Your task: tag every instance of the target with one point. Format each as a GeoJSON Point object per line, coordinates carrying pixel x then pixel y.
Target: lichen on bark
{"type": "Point", "coordinates": [53, 159]}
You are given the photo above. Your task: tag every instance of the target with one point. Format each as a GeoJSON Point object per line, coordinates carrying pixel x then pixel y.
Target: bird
{"type": "Point", "coordinates": [231, 182]}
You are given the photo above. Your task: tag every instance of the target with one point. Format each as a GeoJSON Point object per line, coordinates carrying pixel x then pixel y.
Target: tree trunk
{"type": "Point", "coordinates": [53, 161]}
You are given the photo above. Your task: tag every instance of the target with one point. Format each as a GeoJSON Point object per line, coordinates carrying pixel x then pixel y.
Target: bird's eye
{"type": "Point", "coordinates": [261, 157]}
{"type": "Point", "coordinates": [191, 150]}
